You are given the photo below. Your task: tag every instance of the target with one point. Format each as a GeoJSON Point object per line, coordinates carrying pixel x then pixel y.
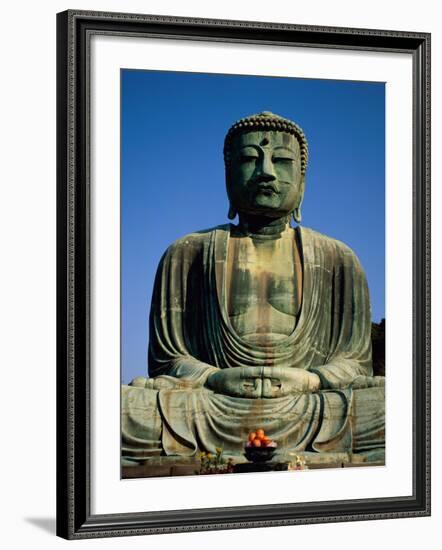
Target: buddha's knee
{"type": "Point", "coordinates": [368, 418]}
{"type": "Point", "coordinates": [140, 416]}
{"type": "Point", "coordinates": [369, 400]}
{"type": "Point", "coordinates": [142, 382]}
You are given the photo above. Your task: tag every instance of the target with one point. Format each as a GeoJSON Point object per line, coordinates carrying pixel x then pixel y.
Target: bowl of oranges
{"type": "Point", "coordinates": [259, 447]}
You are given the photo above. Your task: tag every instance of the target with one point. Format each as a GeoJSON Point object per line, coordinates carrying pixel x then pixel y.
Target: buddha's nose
{"type": "Point", "coordinates": [266, 170]}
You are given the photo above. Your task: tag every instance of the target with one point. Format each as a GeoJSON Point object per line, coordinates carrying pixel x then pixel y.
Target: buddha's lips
{"type": "Point", "coordinates": [267, 187]}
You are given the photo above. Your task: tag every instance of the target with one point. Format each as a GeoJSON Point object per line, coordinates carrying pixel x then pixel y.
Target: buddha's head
{"type": "Point", "coordinates": [265, 157]}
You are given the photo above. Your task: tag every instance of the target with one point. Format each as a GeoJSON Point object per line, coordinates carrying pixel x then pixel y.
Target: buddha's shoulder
{"type": "Point", "coordinates": [193, 242]}
{"type": "Point", "coordinates": [334, 247]}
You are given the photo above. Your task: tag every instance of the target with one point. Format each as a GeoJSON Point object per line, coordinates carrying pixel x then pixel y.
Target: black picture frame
{"type": "Point", "coordinates": [74, 518]}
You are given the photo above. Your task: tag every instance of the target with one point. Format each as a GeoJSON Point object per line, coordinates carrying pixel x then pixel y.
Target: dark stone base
{"type": "Point", "coordinates": [249, 467]}
{"type": "Point", "coordinates": [162, 466]}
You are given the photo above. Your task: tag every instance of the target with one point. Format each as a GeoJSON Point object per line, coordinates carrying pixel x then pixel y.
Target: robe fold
{"type": "Point", "coordinates": [191, 336]}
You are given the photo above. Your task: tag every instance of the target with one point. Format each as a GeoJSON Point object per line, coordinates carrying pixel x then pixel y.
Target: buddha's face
{"type": "Point", "coordinates": [265, 173]}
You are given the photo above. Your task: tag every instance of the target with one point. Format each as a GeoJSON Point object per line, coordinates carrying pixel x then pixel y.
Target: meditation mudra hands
{"type": "Point", "coordinates": [259, 382]}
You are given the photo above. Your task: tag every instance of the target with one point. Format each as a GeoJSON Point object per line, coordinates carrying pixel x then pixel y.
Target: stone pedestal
{"type": "Point", "coordinates": [163, 466]}
{"type": "Point", "coordinates": [249, 467]}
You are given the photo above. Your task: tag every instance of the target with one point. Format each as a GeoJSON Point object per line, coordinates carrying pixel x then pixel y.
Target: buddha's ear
{"type": "Point", "coordinates": [232, 213]}
{"type": "Point", "coordinates": [296, 213]}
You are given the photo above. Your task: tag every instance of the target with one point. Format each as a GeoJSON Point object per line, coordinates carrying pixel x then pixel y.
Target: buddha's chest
{"type": "Point", "coordinates": [263, 286]}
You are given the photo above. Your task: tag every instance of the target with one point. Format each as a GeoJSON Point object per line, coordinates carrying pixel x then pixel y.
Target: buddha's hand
{"type": "Point", "coordinates": [237, 382]}
{"type": "Point", "coordinates": [289, 380]}
{"type": "Point", "coordinates": [259, 382]}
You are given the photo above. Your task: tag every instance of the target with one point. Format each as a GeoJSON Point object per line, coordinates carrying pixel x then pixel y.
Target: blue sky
{"type": "Point", "coordinates": [172, 172]}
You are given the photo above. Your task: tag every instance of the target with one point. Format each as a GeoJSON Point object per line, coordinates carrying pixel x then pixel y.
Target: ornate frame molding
{"type": "Point", "coordinates": [74, 30]}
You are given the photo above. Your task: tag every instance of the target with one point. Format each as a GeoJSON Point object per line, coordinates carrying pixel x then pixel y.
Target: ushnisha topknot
{"type": "Point", "coordinates": [266, 121]}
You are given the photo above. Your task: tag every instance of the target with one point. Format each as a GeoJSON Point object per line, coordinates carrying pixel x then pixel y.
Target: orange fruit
{"type": "Point", "coordinates": [266, 441]}
{"type": "Point", "coordinates": [252, 436]}
{"type": "Point", "coordinates": [256, 443]}
{"type": "Point", "coordinates": [260, 433]}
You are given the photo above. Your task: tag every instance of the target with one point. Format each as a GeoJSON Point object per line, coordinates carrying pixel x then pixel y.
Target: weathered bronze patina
{"type": "Point", "coordinates": [258, 324]}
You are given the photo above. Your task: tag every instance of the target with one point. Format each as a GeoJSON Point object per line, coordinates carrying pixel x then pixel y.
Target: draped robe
{"type": "Point", "coordinates": [191, 336]}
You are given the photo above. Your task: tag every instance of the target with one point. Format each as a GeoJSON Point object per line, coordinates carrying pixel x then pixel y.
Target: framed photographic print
{"type": "Point", "coordinates": [243, 274]}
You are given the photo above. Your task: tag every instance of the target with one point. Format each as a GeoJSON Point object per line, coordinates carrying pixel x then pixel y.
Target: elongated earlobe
{"type": "Point", "coordinates": [232, 213]}
{"type": "Point", "coordinates": [297, 214]}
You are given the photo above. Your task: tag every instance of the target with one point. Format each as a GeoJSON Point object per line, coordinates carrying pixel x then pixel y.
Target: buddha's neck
{"type": "Point", "coordinates": [262, 227]}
